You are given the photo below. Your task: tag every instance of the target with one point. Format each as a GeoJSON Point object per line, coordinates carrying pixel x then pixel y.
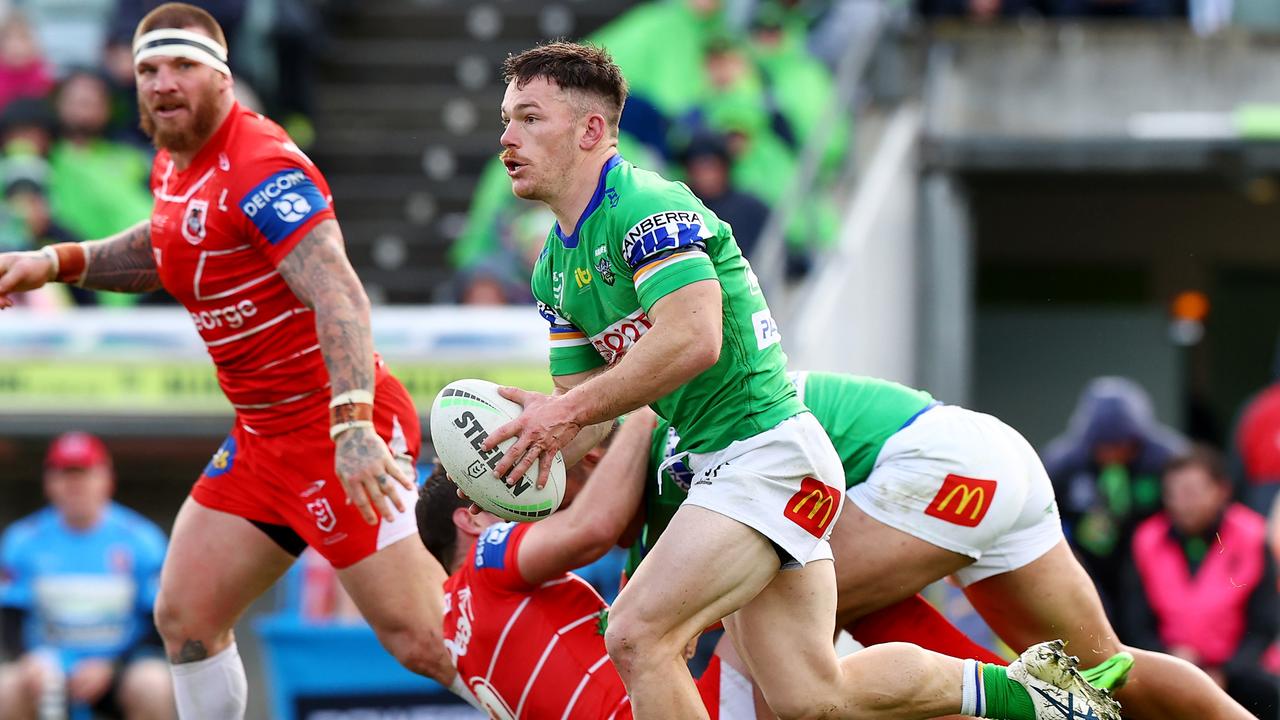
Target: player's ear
{"type": "Point", "coordinates": [596, 131]}
{"type": "Point", "coordinates": [466, 522]}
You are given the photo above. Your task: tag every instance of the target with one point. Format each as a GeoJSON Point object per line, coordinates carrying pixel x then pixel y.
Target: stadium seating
{"type": "Point", "coordinates": [407, 116]}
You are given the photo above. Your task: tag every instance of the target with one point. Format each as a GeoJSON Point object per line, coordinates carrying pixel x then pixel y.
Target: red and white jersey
{"type": "Point", "coordinates": [218, 230]}
{"type": "Point", "coordinates": [529, 651]}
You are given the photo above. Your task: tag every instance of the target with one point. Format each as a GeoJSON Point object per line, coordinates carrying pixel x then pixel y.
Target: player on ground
{"type": "Point", "coordinates": [650, 302]}
{"type": "Point", "coordinates": [526, 635]}
{"type": "Point", "coordinates": [939, 490]}
{"type": "Point", "coordinates": [244, 235]}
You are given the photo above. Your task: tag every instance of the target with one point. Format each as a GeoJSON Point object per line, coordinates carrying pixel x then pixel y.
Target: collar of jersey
{"type": "Point", "coordinates": [597, 198]}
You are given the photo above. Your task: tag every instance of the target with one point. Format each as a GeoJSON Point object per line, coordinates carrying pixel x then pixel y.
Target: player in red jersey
{"type": "Point", "coordinates": [527, 635]}
{"type": "Point", "coordinates": [244, 235]}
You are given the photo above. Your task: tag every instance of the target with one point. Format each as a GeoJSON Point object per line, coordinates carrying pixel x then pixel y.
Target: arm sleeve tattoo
{"type": "Point", "coordinates": [122, 262]}
{"type": "Point", "coordinates": [318, 272]}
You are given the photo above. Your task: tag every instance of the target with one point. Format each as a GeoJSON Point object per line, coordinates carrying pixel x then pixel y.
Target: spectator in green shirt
{"type": "Point", "coordinates": [97, 186]}
{"type": "Point", "coordinates": [800, 84]}
{"type": "Point", "coordinates": [659, 45]}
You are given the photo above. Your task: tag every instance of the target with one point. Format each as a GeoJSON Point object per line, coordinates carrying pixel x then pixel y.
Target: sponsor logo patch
{"type": "Point", "coordinates": [223, 460]}
{"type": "Point", "coordinates": [323, 512]}
{"type": "Point", "coordinates": [766, 329]}
{"type": "Point", "coordinates": [962, 501]}
{"type": "Point", "coordinates": [281, 202]}
{"type": "Point", "coordinates": [491, 551]}
{"type": "Point", "coordinates": [663, 233]}
{"type": "Point", "coordinates": [614, 341]}
{"type": "Point", "coordinates": [814, 507]}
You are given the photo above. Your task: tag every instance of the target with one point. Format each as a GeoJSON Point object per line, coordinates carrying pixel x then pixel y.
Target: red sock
{"type": "Point", "coordinates": [914, 620]}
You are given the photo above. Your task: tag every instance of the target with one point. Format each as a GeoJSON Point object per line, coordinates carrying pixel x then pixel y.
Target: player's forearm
{"type": "Point", "coordinates": [346, 342]}
{"type": "Point", "coordinates": [122, 263]}
{"type": "Point", "coordinates": [664, 359]}
{"type": "Point", "coordinates": [609, 499]}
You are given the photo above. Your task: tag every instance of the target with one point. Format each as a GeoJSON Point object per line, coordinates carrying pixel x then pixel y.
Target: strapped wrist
{"type": "Point", "coordinates": [350, 412]}
{"type": "Point", "coordinates": [359, 397]}
{"type": "Point", "coordinates": [52, 256]}
{"type": "Point", "coordinates": [70, 261]}
{"type": "Point", "coordinates": [338, 428]}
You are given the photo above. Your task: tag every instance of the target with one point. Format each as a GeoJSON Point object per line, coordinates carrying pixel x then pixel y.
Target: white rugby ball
{"type": "Point", "coordinates": [462, 416]}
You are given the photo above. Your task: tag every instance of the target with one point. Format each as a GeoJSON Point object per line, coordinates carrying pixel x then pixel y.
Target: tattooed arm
{"type": "Point", "coordinates": [122, 262]}
{"type": "Point", "coordinates": [318, 272]}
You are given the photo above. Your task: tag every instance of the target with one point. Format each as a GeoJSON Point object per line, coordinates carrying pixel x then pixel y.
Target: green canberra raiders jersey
{"type": "Point", "coordinates": [858, 413]}
{"type": "Point", "coordinates": [639, 239]}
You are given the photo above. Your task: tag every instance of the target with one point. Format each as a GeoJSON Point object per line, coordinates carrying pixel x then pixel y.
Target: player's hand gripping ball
{"type": "Point", "coordinates": [462, 416]}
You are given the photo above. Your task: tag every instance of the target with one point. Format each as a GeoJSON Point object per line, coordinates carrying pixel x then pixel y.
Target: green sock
{"type": "Point", "coordinates": [1005, 699]}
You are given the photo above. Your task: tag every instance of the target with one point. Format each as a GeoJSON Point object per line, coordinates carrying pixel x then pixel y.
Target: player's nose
{"type": "Point", "coordinates": [164, 80]}
{"type": "Point", "coordinates": [509, 137]}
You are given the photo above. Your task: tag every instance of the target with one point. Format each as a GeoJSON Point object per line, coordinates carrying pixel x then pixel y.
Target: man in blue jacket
{"type": "Point", "coordinates": [78, 580]}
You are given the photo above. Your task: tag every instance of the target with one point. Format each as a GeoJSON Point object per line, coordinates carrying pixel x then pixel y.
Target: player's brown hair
{"type": "Point", "coordinates": [437, 499]}
{"type": "Point", "coordinates": [179, 16]}
{"type": "Point", "coordinates": [575, 67]}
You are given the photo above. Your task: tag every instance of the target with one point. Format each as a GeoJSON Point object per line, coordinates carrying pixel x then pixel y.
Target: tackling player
{"type": "Point", "coordinates": [940, 490]}
{"type": "Point", "coordinates": [244, 235]}
{"type": "Point", "coordinates": [527, 635]}
{"type": "Point", "coordinates": [650, 302]}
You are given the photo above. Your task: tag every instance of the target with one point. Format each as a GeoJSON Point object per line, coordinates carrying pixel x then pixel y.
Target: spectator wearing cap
{"type": "Point", "coordinates": [707, 166]}
{"type": "Point", "coordinates": [26, 128]}
{"type": "Point", "coordinates": [78, 581]}
{"type": "Point", "coordinates": [23, 71]}
{"type": "Point", "coordinates": [97, 186]}
{"type": "Point", "coordinates": [1254, 450]}
{"type": "Point", "coordinates": [1205, 583]}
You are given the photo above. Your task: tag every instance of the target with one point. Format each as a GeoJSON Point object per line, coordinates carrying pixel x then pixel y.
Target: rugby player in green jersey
{"type": "Point", "coordinates": [650, 302]}
{"type": "Point", "coordinates": [937, 491]}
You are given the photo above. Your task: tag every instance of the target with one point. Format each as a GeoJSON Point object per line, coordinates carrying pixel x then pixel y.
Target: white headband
{"type": "Point", "coordinates": [184, 44]}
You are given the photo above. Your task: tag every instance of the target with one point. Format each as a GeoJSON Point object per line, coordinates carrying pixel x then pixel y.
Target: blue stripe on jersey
{"type": "Point", "coordinates": [571, 241]}
{"type": "Point", "coordinates": [491, 548]}
{"type": "Point", "coordinates": [282, 203]}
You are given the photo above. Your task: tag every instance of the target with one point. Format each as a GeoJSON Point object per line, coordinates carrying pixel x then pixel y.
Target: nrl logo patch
{"type": "Point", "coordinates": [193, 220]}
{"type": "Point", "coordinates": [605, 268]}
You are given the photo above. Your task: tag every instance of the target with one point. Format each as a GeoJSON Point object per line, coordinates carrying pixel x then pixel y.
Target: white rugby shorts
{"type": "Point", "coordinates": [968, 483]}
{"type": "Point", "coordinates": [786, 483]}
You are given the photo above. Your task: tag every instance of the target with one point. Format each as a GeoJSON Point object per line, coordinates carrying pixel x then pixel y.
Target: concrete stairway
{"type": "Point", "coordinates": [407, 115]}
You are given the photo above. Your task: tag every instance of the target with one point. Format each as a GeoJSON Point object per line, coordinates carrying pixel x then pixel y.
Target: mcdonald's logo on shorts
{"type": "Point", "coordinates": [962, 501]}
{"type": "Point", "coordinates": [815, 507]}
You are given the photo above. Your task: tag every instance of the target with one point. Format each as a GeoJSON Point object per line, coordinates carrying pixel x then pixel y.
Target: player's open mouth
{"type": "Point", "coordinates": [513, 166]}
{"type": "Point", "coordinates": [168, 110]}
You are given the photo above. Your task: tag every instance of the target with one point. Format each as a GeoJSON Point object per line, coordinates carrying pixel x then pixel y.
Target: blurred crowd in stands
{"type": "Point", "coordinates": [74, 164]}
{"type": "Point", "coordinates": [726, 101]}
{"type": "Point", "coordinates": [1205, 16]}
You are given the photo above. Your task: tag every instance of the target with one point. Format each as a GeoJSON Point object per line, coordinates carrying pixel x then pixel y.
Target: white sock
{"type": "Point", "coordinates": [211, 689]}
{"type": "Point", "coordinates": [972, 692]}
